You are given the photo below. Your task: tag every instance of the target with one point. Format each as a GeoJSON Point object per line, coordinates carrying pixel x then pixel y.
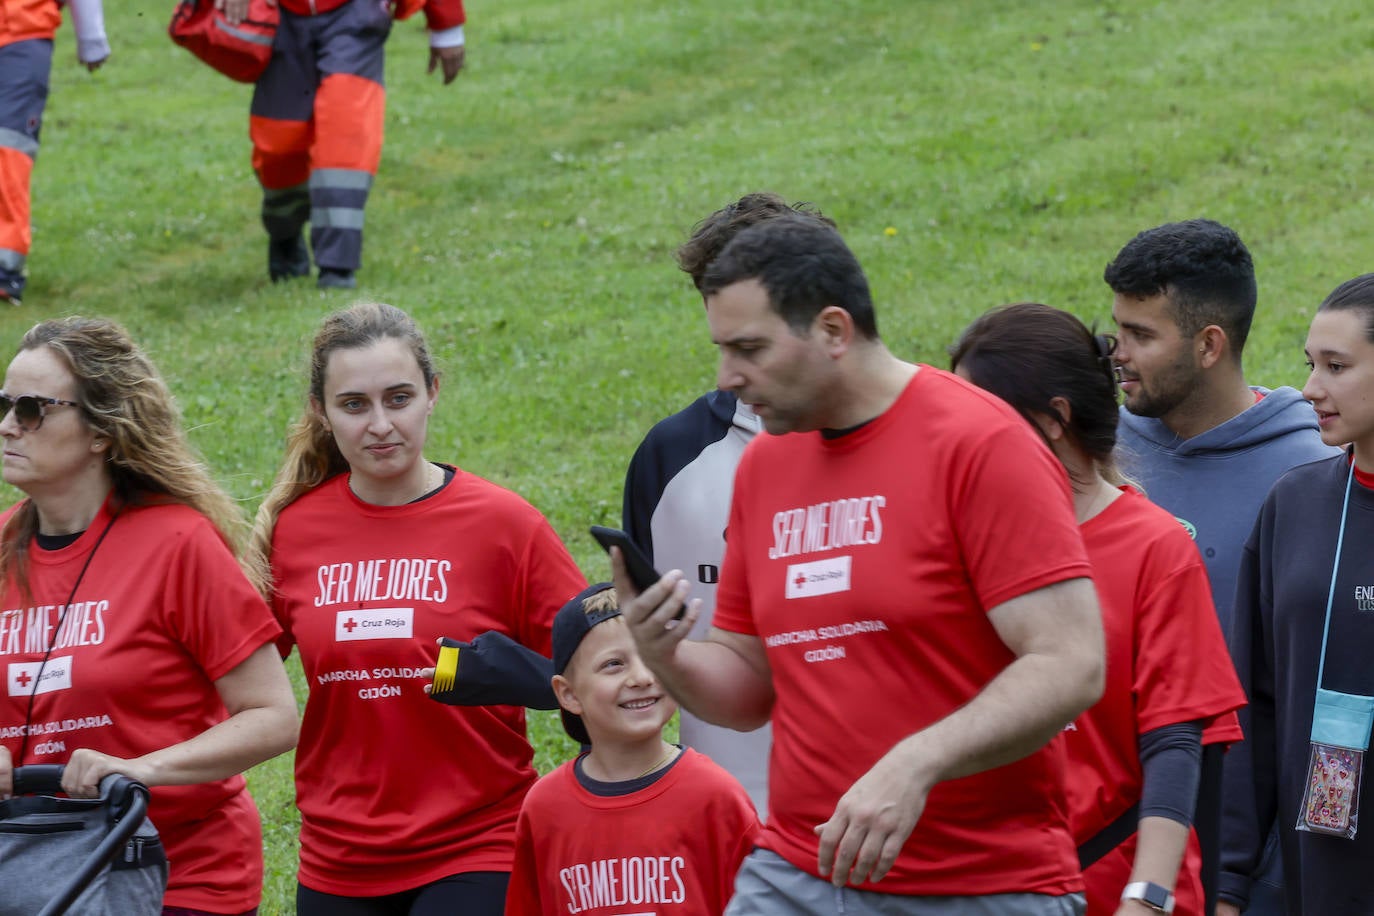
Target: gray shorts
{"type": "Point", "coordinates": [769, 885]}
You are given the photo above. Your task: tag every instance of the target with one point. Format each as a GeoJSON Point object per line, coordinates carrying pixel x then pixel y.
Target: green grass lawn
{"type": "Point", "coordinates": [973, 153]}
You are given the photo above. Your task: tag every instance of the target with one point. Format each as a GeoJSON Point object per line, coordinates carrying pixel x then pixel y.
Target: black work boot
{"type": "Point", "coordinates": [335, 278]}
{"type": "Point", "coordinates": [11, 287]}
{"type": "Point", "coordinates": [287, 258]}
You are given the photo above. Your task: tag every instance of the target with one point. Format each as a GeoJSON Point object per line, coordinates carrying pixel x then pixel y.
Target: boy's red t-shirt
{"type": "Point", "coordinates": [671, 848]}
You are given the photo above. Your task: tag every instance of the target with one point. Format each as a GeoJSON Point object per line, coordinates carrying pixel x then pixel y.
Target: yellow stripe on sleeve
{"type": "Point", "coordinates": [445, 669]}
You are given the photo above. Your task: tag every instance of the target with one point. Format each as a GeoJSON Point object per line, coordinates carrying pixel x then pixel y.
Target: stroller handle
{"type": "Point", "coordinates": [38, 779]}
{"type": "Point", "coordinates": [46, 779]}
{"type": "Point", "coordinates": [127, 801]}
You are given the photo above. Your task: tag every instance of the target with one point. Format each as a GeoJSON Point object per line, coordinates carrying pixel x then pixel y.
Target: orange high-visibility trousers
{"type": "Point", "coordinates": [316, 125]}
{"type": "Point", "coordinates": [24, 71]}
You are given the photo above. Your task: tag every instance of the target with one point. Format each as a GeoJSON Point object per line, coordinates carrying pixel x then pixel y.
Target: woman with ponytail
{"type": "Point", "coordinates": [408, 807]}
{"type": "Point", "coordinates": [1134, 758]}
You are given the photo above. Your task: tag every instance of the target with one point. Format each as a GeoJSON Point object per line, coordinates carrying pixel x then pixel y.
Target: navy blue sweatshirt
{"type": "Point", "coordinates": [1276, 641]}
{"type": "Point", "coordinates": [1214, 482]}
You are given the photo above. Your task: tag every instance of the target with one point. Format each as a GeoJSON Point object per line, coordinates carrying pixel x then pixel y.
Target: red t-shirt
{"type": "Point", "coordinates": [866, 564]}
{"type": "Point", "coordinates": [396, 790]}
{"type": "Point", "coordinates": [1167, 663]}
{"type": "Point", "coordinates": [1364, 478]}
{"type": "Point", "coordinates": [162, 612]}
{"type": "Point", "coordinates": [670, 848]}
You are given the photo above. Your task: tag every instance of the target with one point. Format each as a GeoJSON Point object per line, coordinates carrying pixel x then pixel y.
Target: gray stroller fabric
{"type": "Point", "coordinates": [43, 842]}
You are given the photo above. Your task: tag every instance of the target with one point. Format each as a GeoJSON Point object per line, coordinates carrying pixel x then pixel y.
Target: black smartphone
{"type": "Point", "coordinates": [642, 572]}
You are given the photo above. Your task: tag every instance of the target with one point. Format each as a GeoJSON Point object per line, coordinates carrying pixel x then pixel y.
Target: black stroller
{"type": "Point", "coordinates": [87, 856]}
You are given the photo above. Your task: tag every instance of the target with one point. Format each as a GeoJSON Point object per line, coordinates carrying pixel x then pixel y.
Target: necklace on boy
{"type": "Point", "coordinates": [672, 749]}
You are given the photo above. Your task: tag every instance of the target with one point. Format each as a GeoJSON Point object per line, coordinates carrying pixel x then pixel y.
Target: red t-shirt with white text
{"type": "Point", "coordinates": [1167, 663]}
{"type": "Point", "coordinates": [671, 848]}
{"type": "Point", "coordinates": [396, 790]}
{"type": "Point", "coordinates": [162, 612]}
{"type": "Point", "coordinates": [867, 564]}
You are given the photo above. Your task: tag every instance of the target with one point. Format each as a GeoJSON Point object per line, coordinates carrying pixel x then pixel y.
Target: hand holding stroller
{"type": "Point", "coordinates": [87, 856]}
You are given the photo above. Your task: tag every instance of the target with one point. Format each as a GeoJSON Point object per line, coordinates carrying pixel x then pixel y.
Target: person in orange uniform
{"type": "Point", "coordinates": [26, 33]}
{"type": "Point", "coordinates": [316, 123]}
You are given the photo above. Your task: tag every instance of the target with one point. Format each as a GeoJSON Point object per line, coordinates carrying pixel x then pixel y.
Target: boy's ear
{"type": "Point", "coordinates": [563, 691]}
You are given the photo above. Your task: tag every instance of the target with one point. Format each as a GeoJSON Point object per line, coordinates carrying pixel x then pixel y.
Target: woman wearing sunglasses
{"type": "Point", "coordinates": [408, 807]}
{"type": "Point", "coordinates": [1134, 758]}
{"type": "Point", "coordinates": [133, 642]}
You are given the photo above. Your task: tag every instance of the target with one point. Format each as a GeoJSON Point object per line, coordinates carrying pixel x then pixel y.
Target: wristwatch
{"type": "Point", "coordinates": [1155, 896]}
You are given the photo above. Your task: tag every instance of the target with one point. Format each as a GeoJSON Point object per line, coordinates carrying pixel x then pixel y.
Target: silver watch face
{"type": "Point", "coordinates": [1152, 895]}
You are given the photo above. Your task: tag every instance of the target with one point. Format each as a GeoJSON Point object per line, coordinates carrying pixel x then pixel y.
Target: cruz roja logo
{"type": "Point", "coordinates": [55, 674]}
{"type": "Point", "coordinates": [374, 623]}
{"type": "Point", "coordinates": [819, 577]}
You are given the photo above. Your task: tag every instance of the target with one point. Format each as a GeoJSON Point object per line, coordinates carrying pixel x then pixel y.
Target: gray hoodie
{"type": "Point", "coordinates": [1214, 483]}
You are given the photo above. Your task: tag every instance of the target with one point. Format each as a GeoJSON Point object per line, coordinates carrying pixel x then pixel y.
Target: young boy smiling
{"type": "Point", "coordinates": [634, 821]}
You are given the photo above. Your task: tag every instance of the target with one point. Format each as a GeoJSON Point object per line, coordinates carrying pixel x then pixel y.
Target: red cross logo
{"type": "Point", "coordinates": [800, 580]}
{"type": "Point", "coordinates": [350, 625]}
{"type": "Point", "coordinates": [23, 679]}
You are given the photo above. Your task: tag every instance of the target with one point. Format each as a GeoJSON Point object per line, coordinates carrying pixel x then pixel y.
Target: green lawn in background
{"type": "Point", "coordinates": [973, 153]}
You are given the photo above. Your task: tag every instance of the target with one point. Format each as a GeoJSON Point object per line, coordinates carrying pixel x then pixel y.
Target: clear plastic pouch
{"type": "Point", "coordinates": [1332, 798]}
{"type": "Point", "coordinates": [1340, 736]}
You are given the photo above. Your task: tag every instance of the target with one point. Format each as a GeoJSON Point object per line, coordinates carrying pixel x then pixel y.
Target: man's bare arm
{"type": "Point", "coordinates": [1056, 635]}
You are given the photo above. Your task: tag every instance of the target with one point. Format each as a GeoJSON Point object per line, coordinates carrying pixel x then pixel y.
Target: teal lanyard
{"type": "Point", "coordinates": [1335, 568]}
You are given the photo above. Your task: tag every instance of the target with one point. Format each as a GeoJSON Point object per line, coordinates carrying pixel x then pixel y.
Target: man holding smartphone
{"type": "Point", "coordinates": [878, 602]}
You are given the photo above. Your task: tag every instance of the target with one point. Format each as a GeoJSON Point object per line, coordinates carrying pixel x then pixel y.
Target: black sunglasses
{"type": "Point", "coordinates": [30, 409]}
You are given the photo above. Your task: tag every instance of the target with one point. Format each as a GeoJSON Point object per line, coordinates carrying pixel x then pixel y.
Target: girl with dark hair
{"type": "Point", "coordinates": [134, 643]}
{"type": "Point", "coordinates": [1303, 627]}
{"type": "Point", "coordinates": [1134, 758]}
{"type": "Point", "coordinates": [408, 807]}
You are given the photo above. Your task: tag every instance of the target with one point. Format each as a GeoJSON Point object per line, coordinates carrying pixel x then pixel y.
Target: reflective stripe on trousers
{"type": "Point", "coordinates": [322, 128]}
{"type": "Point", "coordinates": [24, 71]}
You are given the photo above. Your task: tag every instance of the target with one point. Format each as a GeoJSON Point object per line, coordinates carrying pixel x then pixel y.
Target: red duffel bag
{"type": "Point", "coordinates": [240, 52]}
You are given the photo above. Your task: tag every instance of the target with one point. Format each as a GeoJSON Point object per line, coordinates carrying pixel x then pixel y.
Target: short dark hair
{"type": "Point", "coordinates": [1204, 269]}
{"type": "Point", "coordinates": [1355, 295]}
{"type": "Point", "coordinates": [805, 267]}
{"type": "Point", "coordinates": [712, 234]}
{"type": "Point", "coordinates": [1028, 354]}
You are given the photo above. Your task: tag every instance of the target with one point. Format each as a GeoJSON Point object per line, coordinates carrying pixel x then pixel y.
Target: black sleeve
{"type": "Point", "coordinates": [1248, 790]}
{"type": "Point", "coordinates": [1207, 821]}
{"type": "Point", "coordinates": [1170, 762]}
{"type": "Point", "coordinates": [644, 484]}
{"type": "Point", "coordinates": [495, 670]}
{"type": "Point", "coordinates": [674, 443]}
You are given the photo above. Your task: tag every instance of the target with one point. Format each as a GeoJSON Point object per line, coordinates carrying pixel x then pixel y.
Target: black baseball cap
{"type": "Point", "coordinates": [570, 627]}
